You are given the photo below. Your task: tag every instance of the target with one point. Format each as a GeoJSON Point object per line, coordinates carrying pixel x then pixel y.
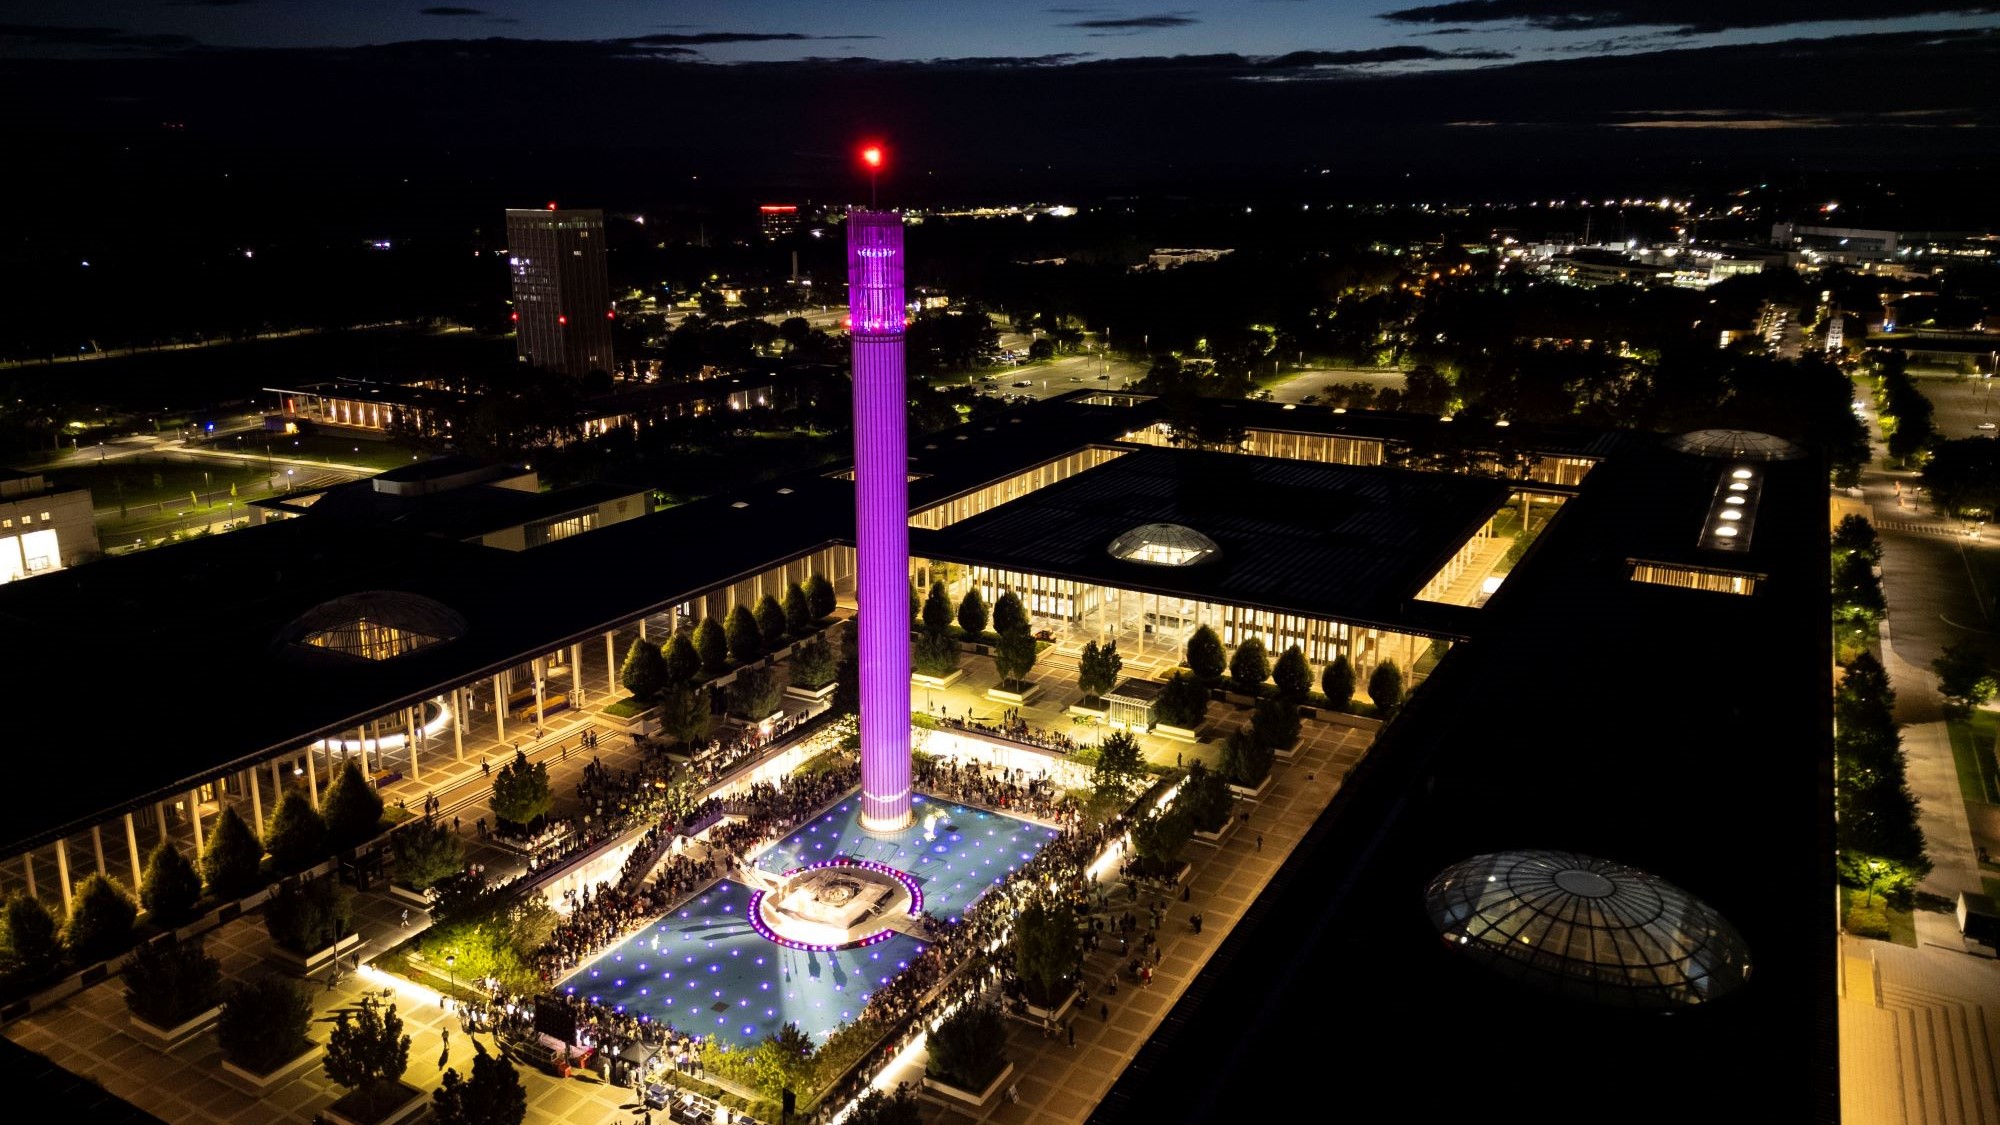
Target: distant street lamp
{"type": "Point", "coordinates": [451, 971]}
{"type": "Point", "coordinates": [1874, 876]}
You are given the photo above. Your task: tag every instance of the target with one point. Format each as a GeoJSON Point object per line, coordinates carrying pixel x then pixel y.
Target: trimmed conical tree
{"type": "Point", "coordinates": [1249, 666]}
{"type": "Point", "coordinates": [169, 890]}
{"type": "Point", "coordinates": [972, 615]}
{"type": "Point", "coordinates": [1336, 682]}
{"type": "Point", "coordinates": [746, 641]}
{"type": "Point", "coordinates": [683, 662]}
{"type": "Point", "coordinates": [32, 937]}
{"type": "Point", "coordinates": [296, 837]}
{"type": "Point", "coordinates": [937, 611]}
{"type": "Point", "coordinates": [798, 613]}
{"type": "Point", "coordinates": [819, 597]}
{"type": "Point", "coordinates": [1204, 655]}
{"type": "Point", "coordinates": [1385, 689]}
{"type": "Point", "coordinates": [100, 921]}
{"type": "Point", "coordinates": [1292, 674]}
{"type": "Point", "coordinates": [644, 673]}
{"type": "Point", "coordinates": [352, 808]}
{"type": "Point", "coordinates": [1008, 616]}
{"type": "Point", "coordinates": [230, 858]}
{"type": "Point", "coordinates": [770, 622]}
{"type": "Point", "coordinates": [712, 645]}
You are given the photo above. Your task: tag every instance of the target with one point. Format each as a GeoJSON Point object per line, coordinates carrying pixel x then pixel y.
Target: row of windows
{"type": "Point", "coordinates": [1687, 578]}
{"type": "Point", "coordinates": [26, 521]}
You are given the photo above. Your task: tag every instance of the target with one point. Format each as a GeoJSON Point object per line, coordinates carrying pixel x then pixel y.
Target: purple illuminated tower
{"type": "Point", "coordinates": [881, 514]}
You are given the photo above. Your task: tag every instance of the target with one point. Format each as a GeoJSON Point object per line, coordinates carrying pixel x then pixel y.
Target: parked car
{"type": "Point", "coordinates": [1023, 383]}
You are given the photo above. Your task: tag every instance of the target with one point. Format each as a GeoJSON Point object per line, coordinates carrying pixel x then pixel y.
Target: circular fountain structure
{"type": "Point", "coordinates": [838, 904]}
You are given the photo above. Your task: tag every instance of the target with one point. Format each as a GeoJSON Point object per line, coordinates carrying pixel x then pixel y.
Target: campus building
{"type": "Point", "coordinates": [1609, 665]}
{"type": "Point", "coordinates": [43, 527]}
{"type": "Point", "coordinates": [562, 295]}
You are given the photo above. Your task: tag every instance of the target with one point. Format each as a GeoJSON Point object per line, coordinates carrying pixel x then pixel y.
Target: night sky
{"type": "Point", "coordinates": [1451, 34]}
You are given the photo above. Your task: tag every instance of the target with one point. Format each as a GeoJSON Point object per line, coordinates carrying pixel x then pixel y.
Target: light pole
{"type": "Point", "coordinates": [451, 970]}
{"type": "Point", "coordinates": [1874, 876]}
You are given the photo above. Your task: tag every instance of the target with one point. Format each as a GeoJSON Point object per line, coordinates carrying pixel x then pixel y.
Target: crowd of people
{"type": "Point", "coordinates": [1011, 790]}
{"type": "Point", "coordinates": [1013, 728]}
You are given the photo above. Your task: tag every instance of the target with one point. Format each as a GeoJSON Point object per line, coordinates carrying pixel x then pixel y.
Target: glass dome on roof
{"type": "Point", "coordinates": [1588, 929]}
{"type": "Point", "coordinates": [1737, 445]}
{"type": "Point", "coordinates": [374, 625]}
{"type": "Point", "coordinates": [1163, 544]}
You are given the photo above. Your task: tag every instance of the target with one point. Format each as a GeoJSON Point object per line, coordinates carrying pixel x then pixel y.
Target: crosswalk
{"type": "Point", "coordinates": [1918, 527]}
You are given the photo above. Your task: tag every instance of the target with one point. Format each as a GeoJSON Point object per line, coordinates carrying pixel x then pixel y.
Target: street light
{"type": "Point", "coordinates": [451, 970]}
{"type": "Point", "coordinates": [1874, 876]}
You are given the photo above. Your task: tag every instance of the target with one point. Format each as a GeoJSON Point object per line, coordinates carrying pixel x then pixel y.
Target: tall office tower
{"type": "Point", "coordinates": [881, 514]}
{"type": "Point", "coordinates": [776, 220]}
{"type": "Point", "coordinates": [562, 299]}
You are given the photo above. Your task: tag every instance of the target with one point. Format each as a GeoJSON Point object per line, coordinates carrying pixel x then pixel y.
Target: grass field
{"type": "Point", "coordinates": [147, 482]}
{"type": "Point", "coordinates": [1972, 751]}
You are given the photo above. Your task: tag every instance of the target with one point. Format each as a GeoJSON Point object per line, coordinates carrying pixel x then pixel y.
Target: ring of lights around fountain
{"type": "Point", "coordinates": [840, 903]}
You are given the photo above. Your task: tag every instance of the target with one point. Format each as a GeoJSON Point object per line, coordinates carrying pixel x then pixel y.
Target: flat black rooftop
{"type": "Point", "coordinates": [459, 513]}
{"type": "Point", "coordinates": [1342, 541]}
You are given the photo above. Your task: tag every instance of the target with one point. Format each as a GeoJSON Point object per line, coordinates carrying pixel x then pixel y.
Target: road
{"type": "Point", "coordinates": [1314, 381]}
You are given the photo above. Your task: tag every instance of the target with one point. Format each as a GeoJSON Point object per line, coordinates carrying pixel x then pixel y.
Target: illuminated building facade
{"type": "Point", "coordinates": [776, 220]}
{"type": "Point", "coordinates": [562, 297]}
{"type": "Point", "coordinates": [881, 513]}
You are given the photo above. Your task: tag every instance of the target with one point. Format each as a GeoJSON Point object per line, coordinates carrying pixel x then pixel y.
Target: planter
{"type": "Point", "coordinates": [1177, 734]}
{"type": "Point", "coordinates": [167, 1038]}
{"type": "Point", "coordinates": [1251, 794]}
{"type": "Point", "coordinates": [421, 900]}
{"type": "Point", "coordinates": [1216, 838]}
{"type": "Point", "coordinates": [813, 695]}
{"type": "Point", "coordinates": [318, 959]}
{"type": "Point", "coordinates": [1014, 698]}
{"type": "Point", "coordinates": [970, 1097]}
{"type": "Point", "coordinates": [1179, 876]}
{"type": "Point", "coordinates": [408, 1109]}
{"type": "Point", "coordinates": [1056, 1013]}
{"type": "Point", "coordinates": [919, 679]}
{"type": "Point", "coordinates": [254, 1084]}
{"type": "Point", "coordinates": [1288, 753]}
{"type": "Point", "coordinates": [1082, 712]}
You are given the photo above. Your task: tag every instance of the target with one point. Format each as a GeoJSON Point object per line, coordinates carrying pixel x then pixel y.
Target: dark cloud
{"type": "Point", "coordinates": [1135, 23]}
{"type": "Point", "coordinates": [1445, 31]}
{"type": "Point", "coordinates": [207, 3]}
{"type": "Point", "coordinates": [501, 19]}
{"type": "Point", "coordinates": [31, 35]}
{"type": "Point", "coordinates": [451, 11]}
{"type": "Point", "coordinates": [1686, 17]}
{"type": "Point", "coordinates": [1376, 55]}
{"type": "Point", "coordinates": [711, 38]}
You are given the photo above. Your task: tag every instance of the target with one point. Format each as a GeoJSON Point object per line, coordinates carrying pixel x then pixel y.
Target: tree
{"type": "Point", "coordinates": [492, 1096]}
{"type": "Point", "coordinates": [1183, 702]}
{"type": "Point", "coordinates": [813, 664]}
{"type": "Point", "coordinates": [1204, 655]}
{"type": "Point", "coordinates": [31, 936]}
{"type": "Point", "coordinates": [1249, 666]}
{"type": "Point", "coordinates": [1246, 761]}
{"type": "Point", "coordinates": [770, 623]}
{"type": "Point", "coordinates": [712, 645]}
{"type": "Point", "coordinates": [879, 1107]}
{"type": "Point", "coordinates": [296, 836]}
{"type": "Point", "coordinates": [170, 890]}
{"type": "Point", "coordinates": [937, 611]}
{"type": "Point", "coordinates": [683, 663]}
{"type": "Point", "coordinates": [1856, 534]}
{"type": "Point", "coordinates": [972, 615]}
{"type": "Point", "coordinates": [746, 640]}
{"type": "Point", "coordinates": [819, 597]}
{"type": "Point", "coordinates": [1206, 798]}
{"type": "Point", "coordinates": [848, 698]}
{"type": "Point", "coordinates": [1336, 682]}
{"type": "Point", "coordinates": [1385, 689]}
{"type": "Point", "coordinates": [1857, 593]}
{"type": "Point", "coordinates": [1119, 762]}
{"type": "Point", "coordinates": [1964, 678]}
{"type": "Point", "coordinates": [685, 715]}
{"type": "Point", "coordinates": [1048, 951]}
{"type": "Point", "coordinates": [968, 1047]}
{"type": "Point", "coordinates": [521, 793]}
{"type": "Point", "coordinates": [1158, 840]}
{"type": "Point", "coordinates": [231, 858]}
{"type": "Point", "coordinates": [1097, 669]}
{"type": "Point", "coordinates": [1964, 475]}
{"type": "Point", "coordinates": [1008, 614]}
{"type": "Point", "coordinates": [784, 1061]}
{"type": "Point", "coordinates": [644, 672]}
{"type": "Point", "coordinates": [427, 852]}
{"type": "Point", "coordinates": [168, 983]}
{"type": "Point", "coordinates": [799, 619]}
{"type": "Point", "coordinates": [352, 808]}
{"type": "Point", "coordinates": [309, 915]}
{"type": "Point", "coordinates": [1292, 674]}
{"type": "Point", "coordinates": [1275, 723]}
{"type": "Point", "coordinates": [1014, 657]}
{"type": "Point", "coordinates": [934, 654]}
{"type": "Point", "coordinates": [101, 914]}
{"type": "Point", "coordinates": [264, 1024]}
{"type": "Point", "coordinates": [367, 1050]}
{"type": "Point", "coordinates": [756, 693]}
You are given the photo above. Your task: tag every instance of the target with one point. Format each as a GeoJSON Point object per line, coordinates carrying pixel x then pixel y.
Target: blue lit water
{"type": "Point", "coordinates": [704, 970]}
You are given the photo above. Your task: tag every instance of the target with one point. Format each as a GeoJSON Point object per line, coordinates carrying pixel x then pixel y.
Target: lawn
{"type": "Point", "coordinates": [1972, 742]}
{"type": "Point", "coordinates": [332, 449]}
{"type": "Point", "coordinates": [1869, 916]}
{"type": "Point", "coordinates": [147, 482]}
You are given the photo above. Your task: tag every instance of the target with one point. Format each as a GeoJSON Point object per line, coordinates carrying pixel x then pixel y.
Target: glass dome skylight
{"type": "Point", "coordinates": [1163, 544]}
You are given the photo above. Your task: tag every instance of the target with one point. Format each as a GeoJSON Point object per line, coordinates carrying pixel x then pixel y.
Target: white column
{"type": "Point", "coordinates": [458, 698]}
{"type": "Point", "coordinates": [610, 666]}
{"type": "Point", "coordinates": [312, 779]}
{"type": "Point", "coordinates": [62, 872]}
{"type": "Point", "coordinates": [538, 669]}
{"type": "Point", "coordinates": [278, 783]}
{"type": "Point", "coordinates": [97, 848]}
{"type": "Point", "coordinates": [576, 676]}
{"type": "Point", "coordinates": [256, 804]}
{"type": "Point", "coordinates": [499, 709]}
{"type": "Point", "coordinates": [28, 865]}
{"type": "Point", "coordinates": [132, 847]}
{"type": "Point", "coordinates": [194, 817]}
{"type": "Point", "coordinates": [416, 768]}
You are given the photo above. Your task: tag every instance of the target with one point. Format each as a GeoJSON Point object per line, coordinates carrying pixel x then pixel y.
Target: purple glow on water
{"type": "Point", "coordinates": [881, 511]}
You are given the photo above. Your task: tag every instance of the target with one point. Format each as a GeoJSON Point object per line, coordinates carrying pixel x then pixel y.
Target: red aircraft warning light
{"type": "Point", "coordinates": [872, 156]}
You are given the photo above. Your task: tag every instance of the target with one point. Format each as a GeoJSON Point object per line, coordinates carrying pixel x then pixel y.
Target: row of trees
{"type": "Point", "coordinates": [935, 650]}
{"type": "Point", "coordinates": [1250, 667]}
{"type": "Point", "coordinates": [174, 890]}
{"type": "Point", "coordinates": [1906, 414]}
{"type": "Point", "coordinates": [707, 650]}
